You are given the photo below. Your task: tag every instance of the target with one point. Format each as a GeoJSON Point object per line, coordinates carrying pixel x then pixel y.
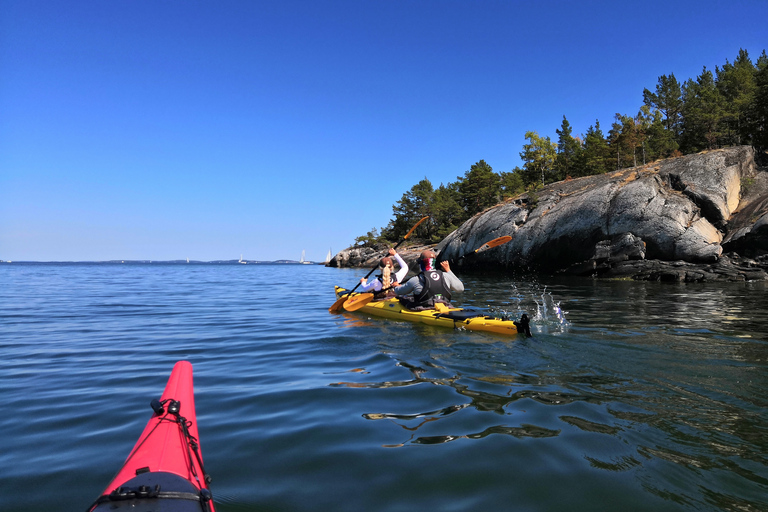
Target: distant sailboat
{"type": "Point", "coordinates": [302, 260]}
{"type": "Point", "coordinates": [187, 260]}
{"type": "Point", "coordinates": [328, 257]}
{"type": "Point", "coordinates": [241, 260]}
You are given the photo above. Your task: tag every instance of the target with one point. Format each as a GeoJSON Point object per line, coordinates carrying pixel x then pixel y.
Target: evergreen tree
{"type": "Point", "coordinates": [614, 142]}
{"type": "Point", "coordinates": [668, 99]}
{"type": "Point", "coordinates": [737, 87]}
{"type": "Point", "coordinates": [538, 159]}
{"type": "Point", "coordinates": [759, 124]}
{"type": "Point", "coordinates": [596, 154]}
{"type": "Point", "coordinates": [568, 149]}
{"type": "Point", "coordinates": [479, 188]}
{"type": "Point", "coordinates": [703, 112]}
{"type": "Point", "coordinates": [415, 204]}
{"type": "Point", "coordinates": [512, 183]}
{"type": "Point", "coordinates": [447, 213]}
{"type": "Point", "coordinates": [660, 142]}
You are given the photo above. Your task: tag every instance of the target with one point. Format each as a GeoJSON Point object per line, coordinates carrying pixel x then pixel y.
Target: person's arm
{"type": "Point", "coordinates": [408, 287]}
{"type": "Point", "coordinates": [400, 274]}
{"type": "Point", "coordinates": [372, 286]}
{"type": "Point", "coordinates": [453, 282]}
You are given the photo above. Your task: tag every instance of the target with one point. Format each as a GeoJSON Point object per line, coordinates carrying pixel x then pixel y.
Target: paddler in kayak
{"type": "Point", "coordinates": [386, 280]}
{"type": "Point", "coordinates": [430, 285]}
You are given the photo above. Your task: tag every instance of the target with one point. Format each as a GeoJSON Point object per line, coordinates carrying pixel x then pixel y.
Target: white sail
{"type": "Point", "coordinates": [328, 257]}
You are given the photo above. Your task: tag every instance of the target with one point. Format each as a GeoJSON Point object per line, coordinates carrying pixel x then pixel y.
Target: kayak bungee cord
{"type": "Point", "coordinates": [204, 497]}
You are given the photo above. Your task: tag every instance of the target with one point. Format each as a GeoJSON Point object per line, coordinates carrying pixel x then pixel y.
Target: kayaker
{"type": "Point", "coordinates": [430, 285]}
{"type": "Point", "coordinates": [386, 279]}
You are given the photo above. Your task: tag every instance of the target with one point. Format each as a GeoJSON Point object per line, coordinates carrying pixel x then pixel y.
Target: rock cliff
{"type": "Point", "coordinates": [700, 217]}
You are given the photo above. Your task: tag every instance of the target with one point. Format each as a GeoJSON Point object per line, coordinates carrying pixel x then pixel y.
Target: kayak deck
{"type": "Point", "coordinates": [164, 471]}
{"type": "Point", "coordinates": [442, 316]}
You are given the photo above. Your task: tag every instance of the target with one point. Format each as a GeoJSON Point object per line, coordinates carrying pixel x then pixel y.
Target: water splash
{"type": "Point", "coordinates": [546, 313]}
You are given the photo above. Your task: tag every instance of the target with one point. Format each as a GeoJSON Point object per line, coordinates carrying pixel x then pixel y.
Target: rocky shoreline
{"type": "Point", "coordinates": [697, 218]}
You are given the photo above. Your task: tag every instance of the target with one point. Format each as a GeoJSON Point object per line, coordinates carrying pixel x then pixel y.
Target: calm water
{"type": "Point", "coordinates": [630, 396]}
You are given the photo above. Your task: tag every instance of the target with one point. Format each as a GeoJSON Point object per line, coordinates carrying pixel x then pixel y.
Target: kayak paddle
{"type": "Point", "coordinates": [338, 305]}
{"type": "Point", "coordinates": [356, 302]}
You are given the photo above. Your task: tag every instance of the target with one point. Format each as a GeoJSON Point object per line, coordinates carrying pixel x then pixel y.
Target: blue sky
{"type": "Point", "coordinates": [136, 129]}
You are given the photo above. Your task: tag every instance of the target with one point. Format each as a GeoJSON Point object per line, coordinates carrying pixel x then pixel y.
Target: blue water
{"type": "Point", "coordinates": [629, 396]}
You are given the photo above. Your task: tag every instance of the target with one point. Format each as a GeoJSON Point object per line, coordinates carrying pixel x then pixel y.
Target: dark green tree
{"type": "Point", "coordinates": [479, 189]}
{"type": "Point", "coordinates": [415, 204]}
{"type": "Point", "coordinates": [759, 124]}
{"type": "Point", "coordinates": [447, 212]}
{"type": "Point", "coordinates": [737, 87]}
{"type": "Point", "coordinates": [596, 155]}
{"type": "Point", "coordinates": [568, 149]}
{"type": "Point", "coordinates": [512, 183]}
{"type": "Point", "coordinates": [668, 99]}
{"type": "Point", "coordinates": [703, 112]}
{"type": "Point", "coordinates": [659, 142]}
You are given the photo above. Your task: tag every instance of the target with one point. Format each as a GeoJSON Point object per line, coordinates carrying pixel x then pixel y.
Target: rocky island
{"type": "Point", "coordinates": [701, 217]}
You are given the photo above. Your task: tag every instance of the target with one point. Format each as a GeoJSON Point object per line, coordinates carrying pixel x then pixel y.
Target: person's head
{"type": "Point", "coordinates": [386, 262]}
{"type": "Point", "coordinates": [427, 260]}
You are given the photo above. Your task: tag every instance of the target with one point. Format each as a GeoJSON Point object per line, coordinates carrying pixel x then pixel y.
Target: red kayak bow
{"type": "Point", "coordinates": [164, 471]}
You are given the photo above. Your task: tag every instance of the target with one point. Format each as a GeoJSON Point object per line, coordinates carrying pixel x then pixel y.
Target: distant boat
{"type": "Point", "coordinates": [187, 260]}
{"type": "Point", "coordinates": [328, 257]}
{"type": "Point", "coordinates": [302, 260]}
{"type": "Point", "coordinates": [241, 260]}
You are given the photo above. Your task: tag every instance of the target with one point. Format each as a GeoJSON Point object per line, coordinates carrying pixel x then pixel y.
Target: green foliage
{"type": "Point", "coordinates": [667, 100]}
{"type": "Point", "coordinates": [479, 189]}
{"type": "Point", "coordinates": [759, 108]}
{"type": "Point", "coordinates": [447, 213]}
{"type": "Point", "coordinates": [595, 159]}
{"type": "Point", "coordinates": [703, 111]}
{"type": "Point", "coordinates": [538, 159]}
{"type": "Point", "coordinates": [567, 162]}
{"type": "Point", "coordinates": [415, 204]}
{"type": "Point", "coordinates": [512, 183]}
{"type": "Point", "coordinates": [369, 239]}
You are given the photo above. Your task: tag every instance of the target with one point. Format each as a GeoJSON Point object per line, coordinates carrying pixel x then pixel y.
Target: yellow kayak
{"type": "Point", "coordinates": [441, 316]}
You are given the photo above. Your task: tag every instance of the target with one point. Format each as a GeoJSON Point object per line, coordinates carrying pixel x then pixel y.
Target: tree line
{"type": "Point", "coordinates": [726, 108]}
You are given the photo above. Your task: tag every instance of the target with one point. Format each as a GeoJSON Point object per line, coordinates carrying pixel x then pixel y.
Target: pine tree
{"type": "Point", "coordinates": [759, 124]}
{"type": "Point", "coordinates": [568, 149]}
{"type": "Point", "coordinates": [447, 213]}
{"type": "Point", "coordinates": [479, 188]}
{"type": "Point", "coordinates": [703, 113]}
{"type": "Point", "coordinates": [415, 204]}
{"type": "Point", "coordinates": [596, 154]}
{"type": "Point", "coordinates": [736, 85]}
{"type": "Point", "coordinates": [668, 99]}
{"type": "Point", "coordinates": [512, 182]}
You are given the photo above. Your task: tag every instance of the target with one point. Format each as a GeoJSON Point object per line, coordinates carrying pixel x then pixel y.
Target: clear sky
{"type": "Point", "coordinates": [162, 129]}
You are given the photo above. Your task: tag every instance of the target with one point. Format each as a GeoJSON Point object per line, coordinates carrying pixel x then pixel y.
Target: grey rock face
{"type": "Point", "coordinates": [674, 210]}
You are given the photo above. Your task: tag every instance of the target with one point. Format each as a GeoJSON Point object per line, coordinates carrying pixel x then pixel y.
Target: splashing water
{"type": "Point", "coordinates": [549, 312]}
{"type": "Point", "coordinates": [545, 312]}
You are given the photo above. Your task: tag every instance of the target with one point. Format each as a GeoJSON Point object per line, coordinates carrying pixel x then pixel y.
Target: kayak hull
{"type": "Point", "coordinates": [164, 470]}
{"type": "Point", "coordinates": [455, 318]}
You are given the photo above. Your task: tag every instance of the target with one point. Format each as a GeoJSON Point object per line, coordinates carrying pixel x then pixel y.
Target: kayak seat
{"type": "Point", "coordinates": [460, 316]}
